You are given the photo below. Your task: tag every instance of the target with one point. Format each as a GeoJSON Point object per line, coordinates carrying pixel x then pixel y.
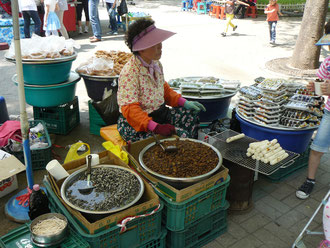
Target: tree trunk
{"type": "Point", "coordinates": [306, 55]}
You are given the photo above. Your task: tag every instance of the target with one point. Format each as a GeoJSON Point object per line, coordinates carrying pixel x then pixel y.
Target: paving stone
{"type": "Point", "coordinates": [267, 210]}
{"type": "Point", "coordinates": [248, 242]}
{"type": "Point", "coordinates": [269, 239]}
{"type": "Point", "coordinates": [255, 222]}
{"type": "Point", "coordinates": [319, 195]}
{"type": "Point", "coordinates": [236, 230]}
{"type": "Point", "coordinates": [226, 240]}
{"type": "Point", "coordinates": [291, 200]}
{"type": "Point", "coordinates": [308, 207]}
{"type": "Point", "coordinates": [278, 205]}
{"type": "Point", "coordinates": [290, 218]}
{"type": "Point", "coordinates": [284, 234]}
{"type": "Point", "coordinates": [324, 178]}
{"type": "Point", "coordinates": [213, 244]}
{"type": "Point", "coordinates": [239, 218]}
{"type": "Point", "coordinates": [282, 192]}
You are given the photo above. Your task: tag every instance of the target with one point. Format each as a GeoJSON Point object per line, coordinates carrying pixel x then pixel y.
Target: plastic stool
{"type": "Point", "coordinates": [201, 7]}
{"type": "Point", "coordinates": [251, 11]}
{"type": "Point", "coordinates": [222, 13]}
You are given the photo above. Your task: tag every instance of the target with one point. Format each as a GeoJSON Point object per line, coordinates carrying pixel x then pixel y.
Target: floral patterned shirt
{"type": "Point", "coordinates": [139, 93]}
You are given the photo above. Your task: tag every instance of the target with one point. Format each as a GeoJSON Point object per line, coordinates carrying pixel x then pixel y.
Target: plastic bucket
{"type": "Point", "coordinates": [295, 141]}
{"type": "Point", "coordinates": [3, 110]}
{"type": "Point", "coordinates": [46, 74]}
{"type": "Point", "coordinates": [51, 95]}
{"type": "Point", "coordinates": [215, 108]}
{"type": "Point", "coordinates": [95, 86]}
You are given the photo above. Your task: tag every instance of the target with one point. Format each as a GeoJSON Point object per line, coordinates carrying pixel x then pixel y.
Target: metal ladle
{"type": "Point", "coordinates": [165, 149]}
{"type": "Point", "coordinates": [89, 187]}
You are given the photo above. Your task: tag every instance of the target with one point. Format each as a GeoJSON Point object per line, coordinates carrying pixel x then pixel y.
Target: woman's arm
{"type": "Point", "coordinates": [171, 97]}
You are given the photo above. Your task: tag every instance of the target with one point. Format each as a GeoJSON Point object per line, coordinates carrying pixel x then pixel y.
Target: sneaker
{"type": "Point", "coordinates": [115, 33]}
{"type": "Point", "coordinates": [80, 30]}
{"type": "Point", "coordinates": [110, 32]}
{"type": "Point", "coordinates": [86, 29]}
{"type": "Point", "coordinates": [305, 189]}
{"type": "Point", "coordinates": [223, 34]}
{"type": "Point", "coordinates": [234, 28]}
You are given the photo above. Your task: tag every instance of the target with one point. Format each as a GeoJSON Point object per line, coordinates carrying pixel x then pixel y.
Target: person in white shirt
{"type": "Point", "coordinates": [111, 7]}
{"type": "Point", "coordinates": [29, 10]}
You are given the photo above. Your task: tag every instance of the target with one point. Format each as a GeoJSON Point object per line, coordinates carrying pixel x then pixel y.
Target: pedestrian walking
{"type": "Point", "coordinates": [95, 20]}
{"type": "Point", "coordinates": [62, 6]}
{"type": "Point", "coordinates": [229, 9]}
{"type": "Point", "coordinates": [272, 10]}
{"type": "Point", "coordinates": [51, 21]}
{"type": "Point", "coordinates": [111, 8]}
{"type": "Point", "coordinates": [29, 10]}
{"type": "Point", "coordinates": [82, 5]}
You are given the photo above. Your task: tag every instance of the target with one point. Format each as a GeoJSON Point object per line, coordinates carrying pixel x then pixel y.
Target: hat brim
{"type": "Point", "coordinates": [152, 38]}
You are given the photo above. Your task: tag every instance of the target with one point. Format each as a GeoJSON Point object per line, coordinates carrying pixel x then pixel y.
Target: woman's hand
{"type": "Point", "coordinates": [325, 88]}
{"type": "Point", "coordinates": [195, 106]}
{"type": "Point", "coordinates": [310, 86]}
{"type": "Point", "coordinates": [164, 129]}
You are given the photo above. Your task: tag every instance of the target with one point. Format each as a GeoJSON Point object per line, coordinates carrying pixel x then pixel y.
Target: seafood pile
{"type": "Point", "coordinates": [114, 188]}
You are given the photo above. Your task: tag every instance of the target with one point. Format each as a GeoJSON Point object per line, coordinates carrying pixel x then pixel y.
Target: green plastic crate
{"type": "Point", "coordinates": [95, 120]}
{"type": "Point", "coordinates": [160, 242]}
{"type": "Point", "coordinates": [40, 156]}
{"type": "Point", "coordinates": [61, 119]}
{"type": "Point", "coordinates": [201, 231]}
{"type": "Point", "coordinates": [282, 173]}
{"type": "Point", "coordinates": [20, 237]}
{"type": "Point", "coordinates": [179, 215]}
{"type": "Point", "coordinates": [139, 232]}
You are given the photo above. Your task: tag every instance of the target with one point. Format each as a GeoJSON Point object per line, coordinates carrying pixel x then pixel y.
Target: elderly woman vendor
{"type": "Point", "coordinates": [144, 96]}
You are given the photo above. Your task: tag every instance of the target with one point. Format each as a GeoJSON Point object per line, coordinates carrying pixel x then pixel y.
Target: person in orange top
{"type": "Point", "coordinates": [144, 96]}
{"type": "Point", "coordinates": [272, 10]}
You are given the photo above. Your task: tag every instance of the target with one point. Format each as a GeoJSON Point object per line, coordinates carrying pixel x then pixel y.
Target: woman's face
{"type": "Point", "coordinates": [151, 53]}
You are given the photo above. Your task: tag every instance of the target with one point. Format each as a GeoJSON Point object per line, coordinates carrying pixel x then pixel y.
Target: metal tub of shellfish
{"type": "Point", "coordinates": [193, 161]}
{"type": "Point", "coordinates": [115, 188]}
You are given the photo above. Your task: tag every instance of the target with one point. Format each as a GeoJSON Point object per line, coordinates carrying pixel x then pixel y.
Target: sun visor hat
{"type": "Point", "coordinates": [149, 37]}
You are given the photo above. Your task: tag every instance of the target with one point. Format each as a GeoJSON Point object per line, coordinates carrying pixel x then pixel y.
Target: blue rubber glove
{"type": "Point", "coordinates": [196, 107]}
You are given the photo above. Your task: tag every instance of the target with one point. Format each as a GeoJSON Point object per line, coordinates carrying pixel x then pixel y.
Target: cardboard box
{"type": "Point", "coordinates": [177, 195]}
{"type": "Point", "coordinates": [9, 167]}
{"type": "Point", "coordinates": [148, 201]}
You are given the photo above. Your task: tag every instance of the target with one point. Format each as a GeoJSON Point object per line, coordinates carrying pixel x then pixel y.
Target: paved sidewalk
{"type": "Point", "coordinates": [198, 49]}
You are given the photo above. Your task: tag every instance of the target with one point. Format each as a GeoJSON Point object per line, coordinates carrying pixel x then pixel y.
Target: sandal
{"type": "Point", "coordinates": [95, 40]}
{"type": "Point", "coordinates": [92, 37]}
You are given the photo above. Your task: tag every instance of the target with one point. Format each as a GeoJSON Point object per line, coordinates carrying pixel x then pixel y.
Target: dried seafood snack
{"type": "Point", "coordinates": [192, 159]}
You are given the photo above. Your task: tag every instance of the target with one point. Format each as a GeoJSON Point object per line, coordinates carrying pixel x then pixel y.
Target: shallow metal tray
{"type": "Point", "coordinates": [45, 61]}
{"type": "Point", "coordinates": [236, 153]}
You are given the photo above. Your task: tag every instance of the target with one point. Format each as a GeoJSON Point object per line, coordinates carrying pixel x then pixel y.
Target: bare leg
{"type": "Point", "coordinates": [313, 163]}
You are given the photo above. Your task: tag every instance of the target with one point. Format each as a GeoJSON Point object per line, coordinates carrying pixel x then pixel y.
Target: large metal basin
{"type": "Point", "coordinates": [74, 176]}
{"type": "Point", "coordinates": [179, 181]}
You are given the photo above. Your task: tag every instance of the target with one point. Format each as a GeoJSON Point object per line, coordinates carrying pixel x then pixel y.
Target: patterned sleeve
{"type": "Point", "coordinates": [171, 97]}
{"type": "Point", "coordinates": [323, 72]}
{"type": "Point", "coordinates": [128, 89]}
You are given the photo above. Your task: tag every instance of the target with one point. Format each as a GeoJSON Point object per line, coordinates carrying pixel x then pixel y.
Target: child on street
{"type": "Point", "coordinates": [229, 9]}
{"type": "Point", "coordinates": [272, 10]}
{"type": "Point", "coordinates": [51, 21]}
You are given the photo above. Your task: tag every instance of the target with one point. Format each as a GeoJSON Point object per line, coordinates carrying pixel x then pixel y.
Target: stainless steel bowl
{"type": "Point", "coordinates": [74, 176]}
{"type": "Point", "coordinates": [52, 239]}
{"type": "Point", "coordinates": [178, 181]}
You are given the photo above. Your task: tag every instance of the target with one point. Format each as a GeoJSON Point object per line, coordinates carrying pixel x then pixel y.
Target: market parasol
{"type": "Point", "coordinates": [17, 207]}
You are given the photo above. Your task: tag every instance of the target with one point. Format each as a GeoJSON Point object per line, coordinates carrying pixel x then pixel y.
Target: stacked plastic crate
{"type": "Point", "coordinates": [60, 119]}
{"type": "Point", "coordinates": [197, 220]}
